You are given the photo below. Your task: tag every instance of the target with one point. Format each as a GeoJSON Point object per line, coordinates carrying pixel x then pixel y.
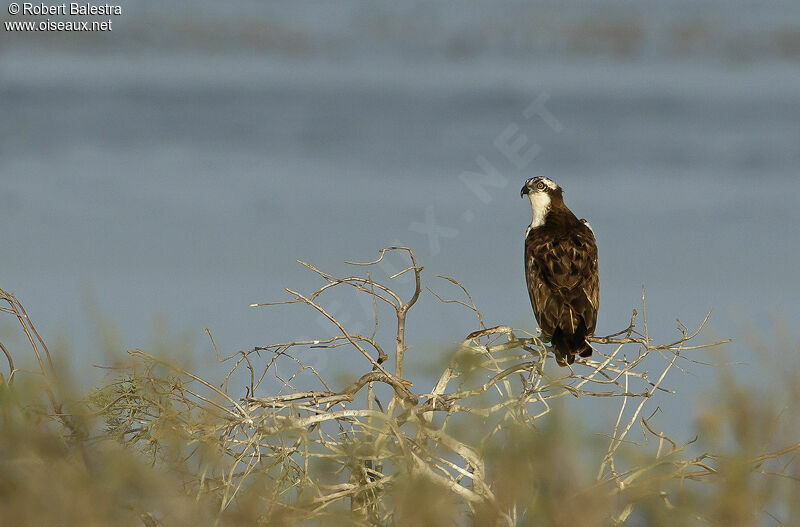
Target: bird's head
{"type": "Point", "coordinates": [539, 184]}
{"type": "Point", "coordinates": [543, 193]}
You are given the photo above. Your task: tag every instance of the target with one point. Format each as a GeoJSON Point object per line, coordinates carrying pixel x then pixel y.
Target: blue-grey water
{"type": "Point", "coordinates": [176, 169]}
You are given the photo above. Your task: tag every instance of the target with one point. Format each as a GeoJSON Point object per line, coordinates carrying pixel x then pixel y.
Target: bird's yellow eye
{"type": "Point", "coordinates": [540, 185]}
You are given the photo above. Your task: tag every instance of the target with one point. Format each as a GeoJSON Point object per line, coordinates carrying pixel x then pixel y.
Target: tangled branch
{"type": "Point", "coordinates": [500, 375]}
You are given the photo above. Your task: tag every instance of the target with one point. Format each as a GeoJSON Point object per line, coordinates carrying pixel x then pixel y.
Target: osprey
{"type": "Point", "coordinates": [561, 271]}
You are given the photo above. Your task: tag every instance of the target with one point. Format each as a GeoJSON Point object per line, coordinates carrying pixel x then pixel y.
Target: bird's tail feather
{"type": "Point", "coordinates": [566, 345]}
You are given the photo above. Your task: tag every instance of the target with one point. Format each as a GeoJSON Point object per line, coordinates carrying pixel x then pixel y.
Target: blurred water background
{"type": "Point", "coordinates": [171, 171]}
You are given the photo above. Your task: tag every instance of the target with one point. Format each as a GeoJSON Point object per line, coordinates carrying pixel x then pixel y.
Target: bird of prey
{"type": "Point", "coordinates": [561, 271]}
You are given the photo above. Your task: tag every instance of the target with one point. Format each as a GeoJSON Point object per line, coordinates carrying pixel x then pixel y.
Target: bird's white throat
{"type": "Point", "coordinates": [540, 205]}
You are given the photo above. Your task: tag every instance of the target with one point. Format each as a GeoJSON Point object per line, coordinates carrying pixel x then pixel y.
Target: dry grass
{"type": "Point", "coordinates": [496, 439]}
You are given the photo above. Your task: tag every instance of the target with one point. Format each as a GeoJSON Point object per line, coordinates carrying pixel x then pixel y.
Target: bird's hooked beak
{"type": "Point", "coordinates": [524, 191]}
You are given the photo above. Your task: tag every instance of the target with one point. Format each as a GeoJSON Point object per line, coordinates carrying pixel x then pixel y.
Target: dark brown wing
{"type": "Point", "coordinates": [562, 276]}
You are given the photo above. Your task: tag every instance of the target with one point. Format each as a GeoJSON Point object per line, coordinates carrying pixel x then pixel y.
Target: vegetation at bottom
{"type": "Point", "coordinates": [498, 434]}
